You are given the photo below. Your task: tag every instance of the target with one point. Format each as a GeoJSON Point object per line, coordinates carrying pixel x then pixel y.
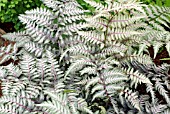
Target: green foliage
{"type": "Point", "coordinates": [157, 2]}
{"type": "Point", "coordinates": [10, 9]}
{"type": "Point", "coordinates": [87, 6]}
{"type": "Point", "coordinates": [71, 62]}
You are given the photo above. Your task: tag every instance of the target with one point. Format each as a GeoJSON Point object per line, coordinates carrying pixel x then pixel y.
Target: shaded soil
{"type": "Point", "coordinates": [5, 27]}
{"type": "Point", "coordinates": [8, 27]}
{"type": "Point", "coordinates": [161, 55]}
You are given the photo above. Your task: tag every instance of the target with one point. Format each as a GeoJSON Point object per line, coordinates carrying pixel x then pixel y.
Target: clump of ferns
{"type": "Point", "coordinates": [97, 61]}
{"type": "Point", "coordinates": [37, 86]}
{"type": "Point", "coordinates": [48, 29]}
{"type": "Point", "coordinates": [157, 95]}
{"type": "Point", "coordinates": [95, 54]}
{"type": "Point", "coordinates": [158, 29]}
{"type": "Point", "coordinates": [95, 64]}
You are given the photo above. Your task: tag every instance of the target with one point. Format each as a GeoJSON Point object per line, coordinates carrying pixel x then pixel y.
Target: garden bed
{"type": "Point", "coordinates": [9, 27]}
{"type": "Point", "coordinates": [91, 59]}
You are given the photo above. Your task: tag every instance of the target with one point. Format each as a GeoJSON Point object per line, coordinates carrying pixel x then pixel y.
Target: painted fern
{"type": "Point", "coordinates": [73, 61]}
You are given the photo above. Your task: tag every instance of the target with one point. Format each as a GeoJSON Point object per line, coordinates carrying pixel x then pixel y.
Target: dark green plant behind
{"type": "Point", "coordinates": [157, 2]}
{"type": "Point", "coordinates": [10, 9]}
{"type": "Point", "coordinates": [87, 6]}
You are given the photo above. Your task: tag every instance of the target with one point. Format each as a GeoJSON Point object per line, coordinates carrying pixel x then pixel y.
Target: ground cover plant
{"type": "Point", "coordinates": [157, 2]}
{"type": "Point", "coordinates": [10, 10]}
{"type": "Point", "coordinates": [76, 61]}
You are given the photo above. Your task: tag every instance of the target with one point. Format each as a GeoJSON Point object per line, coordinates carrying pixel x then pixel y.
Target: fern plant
{"type": "Point", "coordinates": [160, 86]}
{"type": "Point", "coordinates": [25, 88]}
{"type": "Point", "coordinates": [95, 53]}
{"type": "Point", "coordinates": [158, 24]}
{"type": "Point", "coordinates": [38, 69]}
{"type": "Point", "coordinates": [45, 28]}
{"type": "Point", "coordinates": [111, 32]}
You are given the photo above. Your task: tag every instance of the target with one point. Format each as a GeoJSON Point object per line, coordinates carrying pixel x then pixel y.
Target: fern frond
{"type": "Point", "coordinates": [115, 6]}
{"type": "Point", "coordinates": [62, 103]}
{"type": "Point", "coordinates": [18, 102]}
{"type": "Point", "coordinates": [19, 95]}
{"type": "Point", "coordinates": [82, 104]}
{"type": "Point", "coordinates": [73, 18]}
{"type": "Point", "coordinates": [137, 77]}
{"type": "Point", "coordinates": [70, 29]}
{"type": "Point", "coordinates": [145, 59]}
{"type": "Point", "coordinates": [89, 71]}
{"type": "Point", "coordinates": [98, 60]}
{"type": "Point", "coordinates": [150, 89]}
{"type": "Point", "coordinates": [168, 47]}
{"type": "Point", "coordinates": [37, 49]}
{"type": "Point", "coordinates": [132, 98]}
{"type": "Point", "coordinates": [105, 84]}
{"type": "Point", "coordinates": [143, 47]}
{"type": "Point", "coordinates": [53, 68]}
{"type": "Point", "coordinates": [79, 64]}
{"type": "Point", "coordinates": [51, 4]}
{"type": "Point", "coordinates": [28, 67]}
{"type": "Point", "coordinates": [40, 11]}
{"type": "Point", "coordinates": [157, 16]}
{"type": "Point", "coordinates": [99, 23]}
{"type": "Point", "coordinates": [156, 47]}
{"type": "Point", "coordinates": [40, 35]}
{"type": "Point", "coordinates": [116, 34]}
{"type": "Point", "coordinates": [42, 71]}
{"type": "Point", "coordinates": [158, 77]}
{"type": "Point", "coordinates": [120, 20]}
{"type": "Point", "coordinates": [158, 108]}
{"type": "Point", "coordinates": [77, 49]}
{"type": "Point", "coordinates": [162, 91]}
{"type": "Point", "coordinates": [42, 17]}
{"type": "Point", "coordinates": [72, 10]}
{"type": "Point", "coordinates": [17, 37]}
{"type": "Point", "coordinates": [13, 71]}
{"type": "Point", "coordinates": [8, 52]}
{"type": "Point", "coordinates": [114, 48]}
{"type": "Point", "coordinates": [96, 38]}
